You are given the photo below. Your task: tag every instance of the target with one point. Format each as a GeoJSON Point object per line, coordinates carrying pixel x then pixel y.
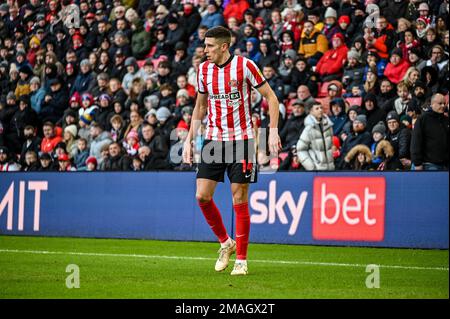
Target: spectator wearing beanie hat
{"type": "Point", "coordinates": [131, 143]}
{"type": "Point", "coordinates": [70, 135]}
{"type": "Point", "coordinates": [37, 94]}
{"type": "Point", "coordinates": [354, 71]}
{"type": "Point", "coordinates": [358, 135]}
{"type": "Point", "coordinates": [91, 164]}
{"type": "Point", "coordinates": [378, 134]}
{"type": "Point", "coordinates": [330, 28]}
{"type": "Point", "coordinates": [400, 138]}
{"type": "Point", "coordinates": [330, 66]}
{"type": "Point", "coordinates": [85, 80]}
{"type": "Point", "coordinates": [397, 66]}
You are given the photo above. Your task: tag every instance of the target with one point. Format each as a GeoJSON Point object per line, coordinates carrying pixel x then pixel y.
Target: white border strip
{"type": "Point", "coordinates": [284, 262]}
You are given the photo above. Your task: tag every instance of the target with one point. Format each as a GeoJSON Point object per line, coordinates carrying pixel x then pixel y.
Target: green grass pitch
{"type": "Point", "coordinates": [35, 267]}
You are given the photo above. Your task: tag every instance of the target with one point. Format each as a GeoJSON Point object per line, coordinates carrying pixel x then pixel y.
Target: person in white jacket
{"type": "Point", "coordinates": [314, 146]}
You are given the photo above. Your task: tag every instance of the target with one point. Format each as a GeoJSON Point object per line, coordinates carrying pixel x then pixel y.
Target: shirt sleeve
{"type": "Point", "coordinates": [254, 74]}
{"type": "Point", "coordinates": [200, 80]}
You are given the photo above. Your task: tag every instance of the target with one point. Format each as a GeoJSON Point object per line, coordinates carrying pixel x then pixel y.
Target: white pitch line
{"type": "Point", "coordinates": [285, 262]}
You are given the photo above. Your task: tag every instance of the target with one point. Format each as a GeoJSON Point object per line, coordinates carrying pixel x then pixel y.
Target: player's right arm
{"type": "Point", "coordinates": [198, 114]}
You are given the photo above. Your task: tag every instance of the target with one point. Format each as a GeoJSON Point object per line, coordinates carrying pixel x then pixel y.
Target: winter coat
{"type": "Point", "coordinates": [83, 83]}
{"type": "Point", "coordinates": [385, 151]}
{"type": "Point", "coordinates": [351, 141]}
{"type": "Point", "coordinates": [53, 110]}
{"type": "Point", "coordinates": [213, 20]}
{"type": "Point", "coordinates": [80, 158]}
{"type": "Point", "coordinates": [97, 143]}
{"type": "Point", "coordinates": [292, 130]}
{"type": "Point", "coordinates": [338, 122]}
{"type": "Point", "coordinates": [235, 9]}
{"type": "Point", "coordinates": [429, 142]}
{"type": "Point", "coordinates": [314, 146]}
{"type": "Point", "coordinates": [353, 76]}
{"type": "Point", "coordinates": [332, 62]}
{"type": "Point", "coordinates": [140, 41]}
{"type": "Point", "coordinates": [36, 99]}
{"type": "Point", "coordinates": [351, 161]}
{"type": "Point", "coordinates": [118, 163]}
{"type": "Point", "coordinates": [401, 141]}
{"type": "Point", "coordinates": [314, 45]}
{"type": "Point", "coordinates": [395, 73]}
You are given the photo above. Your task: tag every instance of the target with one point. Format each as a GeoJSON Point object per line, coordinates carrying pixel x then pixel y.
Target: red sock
{"type": "Point", "coordinates": [242, 230]}
{"type": "Point", "coordinates": [214, 220]}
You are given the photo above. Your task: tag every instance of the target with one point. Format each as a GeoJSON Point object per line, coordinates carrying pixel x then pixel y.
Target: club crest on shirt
{"type": "Point", "coordinates": [233, 84]}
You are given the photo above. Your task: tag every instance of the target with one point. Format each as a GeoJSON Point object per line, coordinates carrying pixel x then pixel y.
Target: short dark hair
{"type": "Point", "coordinates": [220, 33]}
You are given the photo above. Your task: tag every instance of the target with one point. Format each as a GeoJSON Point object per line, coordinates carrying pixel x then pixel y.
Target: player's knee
{"type": "Point", "coordinates": [240, 197]}
{"type": "Point", "coordinates": [203, 198]}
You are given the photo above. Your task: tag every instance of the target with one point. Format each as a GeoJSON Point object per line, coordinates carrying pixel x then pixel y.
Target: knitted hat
{"type": "Point", "coordinates": [344, 19]}
{"type": "Point", "coordinates": [182, 125]}
{"type": "Point", "coordinates": [35, 40]}
{"type": "Point", "coordinates": [380, 128]}
{"type": "Point", "coordinates": [182, 92]}
{"type": "Point", "coordinates": [330, 13]}
{"type": "Point", "coordinates": [92, 160]}
{"type": "Point", "coordinates": [130, 61]}
{"type": "Point", "coordinates": [87, 116]}
{"type": "Point", "coordinates": [35, 80]}
{"type": "Point", "coordinates": [187, 110]}
{"type": "Point", "coordinates": [85, 62]}
{"type": "Point", "coordinates": [163, 113]}
{"type": "Point", "coordinates": [72, 129]}
{"type": "Point", "coordinates": [362, 119]}
{"type": "Point", "coordinates": [392, 115]}
{"type": "Point", "coordinates": [353, 54]}
{"type": "Point", "coordinates": [133, 134]}
{"type": "Point", "coordinates": [63, 158]}
{"type": "Point", "coordinates": [423, 6]}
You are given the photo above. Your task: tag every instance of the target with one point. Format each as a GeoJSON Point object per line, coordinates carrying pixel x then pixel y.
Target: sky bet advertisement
{"type": "Point", "coordinates": [393, 209]}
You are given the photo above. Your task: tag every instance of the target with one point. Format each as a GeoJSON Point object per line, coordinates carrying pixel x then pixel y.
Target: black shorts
{"type": "Point", "coordinates": [237, 158]}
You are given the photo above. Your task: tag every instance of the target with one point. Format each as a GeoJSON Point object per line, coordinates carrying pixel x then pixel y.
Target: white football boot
{"type": "Point", "coordinates": [224, 255]}
{"type": "Point", "coordinates": [240, 268]}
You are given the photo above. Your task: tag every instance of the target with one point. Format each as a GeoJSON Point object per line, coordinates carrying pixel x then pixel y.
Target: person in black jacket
{"type": "Point", "coordinates": [358, 135]}
{"type": "Point", "coordinates": [32, 142]}
{"type": "Point", "coordinates": [373, 113]}
{"type": "Point", "coordinates": [117, 159]}
{"type": "Point", "coordinates": [429, 144]}
{"type": "Point", "coordinates": [294, 126]}
{"type": "Point", "coordinates": [400, 138]}
{"type": "Point", "coordinates": [55, 102]}
{"type": "Point", "coordinates": [24, 116]}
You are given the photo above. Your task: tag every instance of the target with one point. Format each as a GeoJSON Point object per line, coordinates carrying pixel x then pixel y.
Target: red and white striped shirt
{"type": "Point", "coordinates": [229, 97]}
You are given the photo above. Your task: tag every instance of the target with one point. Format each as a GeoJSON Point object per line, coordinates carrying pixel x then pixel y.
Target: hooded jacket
{"type": "Point", "coordinates": [255, 54]}
{"type": "Point", "coordinates": [351, 158]}
{"type": "Point", "coordinates": [314, 146]}
{"type": "Point", "coordinates": [140, 41]}
{"type": "Point", "coordinates": [389, 162]}
{"type": "Point", "coordinates": [333, 60]}
{"type": "Point", "coordinates": [314, 45]}
{"type": "Point", "coordinates": [374, 116]}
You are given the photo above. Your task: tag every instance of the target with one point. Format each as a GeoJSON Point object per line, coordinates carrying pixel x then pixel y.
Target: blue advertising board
{"type": "Point", "coordinates": [392, 209]}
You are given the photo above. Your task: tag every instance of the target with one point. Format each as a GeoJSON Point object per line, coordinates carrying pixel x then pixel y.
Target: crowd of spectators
{"type": "Point", "coordinates": [111, 84]}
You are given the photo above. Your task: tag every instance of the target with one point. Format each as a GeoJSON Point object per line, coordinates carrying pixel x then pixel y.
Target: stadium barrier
{"type": "Point", "coordinates": [391, 209]}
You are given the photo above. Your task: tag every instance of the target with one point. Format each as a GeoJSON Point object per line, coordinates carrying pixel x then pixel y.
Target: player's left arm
{"type": "Point", "coordinates": [274, 112]}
